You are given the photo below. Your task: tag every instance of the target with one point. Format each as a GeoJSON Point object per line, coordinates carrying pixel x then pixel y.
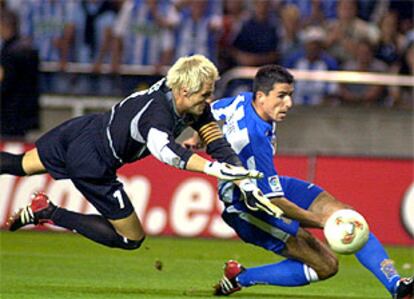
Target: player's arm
{"type": "Point", "coordinates": [252, 195]}
{"type": "Point", "coordinates": [293, 211]}
{"type": "Point", "coordinates": [259, 152]}
{"type": "Point", "coordinates": [162, 145]}
{"type": "Point", "coordinates": [223, 171]}
{"type": "Point", "coordinates": [255, 200]}
{"type": "Point", "coordinates": [210, 134]}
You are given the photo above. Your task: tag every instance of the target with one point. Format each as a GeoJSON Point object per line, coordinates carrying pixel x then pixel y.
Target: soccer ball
{"type": "Point", "coordinates": [346, 231]}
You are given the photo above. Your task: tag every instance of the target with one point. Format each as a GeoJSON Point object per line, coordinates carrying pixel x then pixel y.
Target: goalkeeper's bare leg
{"type": "Point", "coordinates": [125, 233]}
{"type": "Point", "coordinates": [21, 164]}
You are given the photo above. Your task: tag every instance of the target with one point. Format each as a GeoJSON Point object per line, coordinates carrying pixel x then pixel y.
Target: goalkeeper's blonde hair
{"type": "Point", "coordinates": [191, 72]}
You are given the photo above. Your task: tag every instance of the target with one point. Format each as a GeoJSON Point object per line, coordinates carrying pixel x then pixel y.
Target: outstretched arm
{"type": "Point", "coordinates": [305, 217]}
{"type": "Point", "coordinates": [218, 147]}
{"type": "Point", "coordinates": [252, 196]}
{"type": "Point", "coordinates": [210, 134]}
{"type": "Point", "coordinates": [255, 200]}
{"type": "Point", "coordinates": [163, 146]}
{"type": "Point", "coordinates": [219, 170]}
{"type": "Point", "coordinates": [155, 126]}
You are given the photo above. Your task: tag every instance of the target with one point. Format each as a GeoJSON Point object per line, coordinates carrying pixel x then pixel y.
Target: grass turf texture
{"type": "Point", "coordinates": [64, 265]}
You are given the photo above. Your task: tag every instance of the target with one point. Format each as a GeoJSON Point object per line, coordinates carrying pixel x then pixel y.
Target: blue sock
{"type": "Point", "coordinates": [373, 257]}
{"type": "Point", "coordinates": [286, 273]}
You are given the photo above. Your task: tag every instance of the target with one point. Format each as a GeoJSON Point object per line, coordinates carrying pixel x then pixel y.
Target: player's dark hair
{"type": "Point", "coordinates": [268, 75]}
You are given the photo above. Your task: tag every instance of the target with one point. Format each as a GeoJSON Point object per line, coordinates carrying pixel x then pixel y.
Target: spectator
{"type": "Point", "coordinates": [344, 33]}
{"type": "Point", "coordinates": [143, 32]}
{"type": "Point", "coordinates": [363, 61]}
{"type": "Point", "coordinates": [198, 30]}
{"type": "Point", "coordinates": [94, 20]}
{"type": "Point", "coordinates": [405, 11]}
{"type": "Point", "coordinates": [19, 80]}
{"type": "Point", "coordinates": [15, 6]}
{"type": "Point", "coordinates": [313, 57]}
{"type": "Point", "coordinates": [235, 13]}
{"type": "Point", "coordinates": [47, 23]}
{"type": "Point", "coordinates": [371, 10]}
{"type": "Point", "coordinates": [391, 41]}
{"type": "Point", "coordinates": [106, 40]}
{"type": "Point", "coordinates": [258, 41]}
{"type": "Point", "coordinates": [313, 11]}
{"type": "Point", "coordinates": [409, 36]}
{"type": "Point", "coordinates": [316, 16]}
{"type": "Point", "coordinates": [290, 42]}
{"type": "Point", "coordinates": [404, 96]}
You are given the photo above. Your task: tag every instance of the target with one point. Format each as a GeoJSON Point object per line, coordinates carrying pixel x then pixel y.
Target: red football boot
{"type": "Point", "coordinates": [37, 212]}
{"type": "Point", "coordinates": [228, 284]}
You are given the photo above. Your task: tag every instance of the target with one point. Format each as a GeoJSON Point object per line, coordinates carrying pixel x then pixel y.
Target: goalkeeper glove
{"type": "Point", "coordinates": [224, 171]}
{"type": "Point", "coordinates": [255, 199]}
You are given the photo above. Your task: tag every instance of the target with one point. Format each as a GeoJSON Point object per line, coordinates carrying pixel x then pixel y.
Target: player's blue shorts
{"type": "Point", "coordinates": [266, 231]}
{"type": "Point", "coordinates": [76, 150]}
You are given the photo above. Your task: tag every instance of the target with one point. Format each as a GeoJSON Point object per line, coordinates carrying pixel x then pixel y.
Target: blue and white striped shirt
{"type": "Point", "coordinates": [196, 36]}
{"type": "Point", "coordinates": [44, 21]}
{"type": "Point", "coordinates": [245, 131]}
{"type": "Point", "coordinates": [144, 40]}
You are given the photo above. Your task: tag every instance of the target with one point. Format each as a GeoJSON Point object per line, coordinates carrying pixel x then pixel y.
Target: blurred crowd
{"type": "Point", "coordinates": [357, 35]}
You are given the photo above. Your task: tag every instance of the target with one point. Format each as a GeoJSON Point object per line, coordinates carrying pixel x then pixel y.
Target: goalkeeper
{"type": "Point", "coordinates": [89, 150]}
{"type": "Point", "coordinates": [250, 127]}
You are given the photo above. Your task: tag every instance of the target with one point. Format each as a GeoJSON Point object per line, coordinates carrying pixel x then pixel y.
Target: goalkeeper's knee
{"type": "Point", "coordinates": [128, 244]}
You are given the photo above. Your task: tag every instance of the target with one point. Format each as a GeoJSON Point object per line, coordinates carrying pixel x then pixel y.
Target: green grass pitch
{"type": "Point", "coordinates": [64, 265]}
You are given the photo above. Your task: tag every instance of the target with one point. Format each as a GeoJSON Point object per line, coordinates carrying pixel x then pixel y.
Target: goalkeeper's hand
{"type": "Point", "coordinates": [255, 199]}
{"type": "Point", "coordinates": [224, 171]}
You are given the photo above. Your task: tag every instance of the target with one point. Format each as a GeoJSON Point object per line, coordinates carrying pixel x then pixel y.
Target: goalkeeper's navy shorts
{"type": "Point", "coordinates": [266, 231]}
{"type": "Point", "coordinates": [75, 150]}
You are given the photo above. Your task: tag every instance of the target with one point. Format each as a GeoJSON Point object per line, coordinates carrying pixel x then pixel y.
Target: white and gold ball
{"type": "Point", "coordinates": [346, 231]}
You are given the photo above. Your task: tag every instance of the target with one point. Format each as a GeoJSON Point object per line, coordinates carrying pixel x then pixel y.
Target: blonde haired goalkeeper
{"type": "Point", "coordinates": [89, 150]}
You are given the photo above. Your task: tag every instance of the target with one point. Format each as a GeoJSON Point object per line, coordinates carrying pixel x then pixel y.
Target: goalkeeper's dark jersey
{"type": "Point", "coordinates": [146, 123]}
{"type": "Point", "coordinates": [90, 148]}
{"type": "Point", "coordinates": [94, 146]}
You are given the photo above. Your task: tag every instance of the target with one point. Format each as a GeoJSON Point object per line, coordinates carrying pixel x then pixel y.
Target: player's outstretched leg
{"type": "Point", "coordinates": [373, 255]}
{"type": "Point", "coordinates": [285, 273]}
{"type": "Point", "coordinates": [308, 260]}
{"type": "Point", "coordinates": [95, 227]}
{"type": "Point", "coordinates": [21, 164]}
{"type": "Point", "coordinates": [39, 211]}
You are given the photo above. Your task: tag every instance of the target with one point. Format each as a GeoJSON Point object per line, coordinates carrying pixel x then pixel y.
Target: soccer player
{"type": "Point", "coordinates": [250, 127]}
{"type": "Point", "coordinates": [89, 150]}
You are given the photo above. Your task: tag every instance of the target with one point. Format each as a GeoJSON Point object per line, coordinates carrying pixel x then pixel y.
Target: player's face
{"type": "Point", "coordinates": [198, 101]}
{"type": "Point", "coordinates": [275, 105]}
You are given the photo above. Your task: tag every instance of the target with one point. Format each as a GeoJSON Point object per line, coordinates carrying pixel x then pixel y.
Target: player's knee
{"type": "Point", "coordinates": [121, 242]}
{"type": "Point", "coordinates": [328, 268]}
{"type": "Point", "coordinates": [131, 244]}
{"type": "Point", "coordinates": [135, 244]}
